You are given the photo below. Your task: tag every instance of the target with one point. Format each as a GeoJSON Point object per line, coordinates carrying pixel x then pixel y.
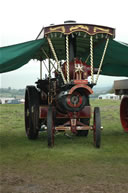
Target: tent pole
{"type": "Point", "coordinates": [45, 66]}
{"type": "Point", "coordinates": [41, 70]}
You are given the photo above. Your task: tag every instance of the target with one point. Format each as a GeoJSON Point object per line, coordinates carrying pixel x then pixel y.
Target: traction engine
{"type": "Point", "coordinates": [60, 102]}
{"type": "Point", "coordinates": [121, 89]}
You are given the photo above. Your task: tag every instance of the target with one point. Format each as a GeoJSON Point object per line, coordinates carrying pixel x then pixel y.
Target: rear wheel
{"type": "Point", "coordinates": [97, 127]}
{"type": "Point", "coordinates": [50, 126]}
{"type": "Point", "coordinates": [31, 112]}
{"type": "Point", "coordinates": [124, 113]}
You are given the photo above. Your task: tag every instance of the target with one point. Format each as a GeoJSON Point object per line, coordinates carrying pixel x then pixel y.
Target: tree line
{"type": "Point", "coordinates": [5, 92]}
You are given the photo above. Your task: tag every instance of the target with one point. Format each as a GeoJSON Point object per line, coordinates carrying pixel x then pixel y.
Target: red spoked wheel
{"type": "Point", "coordinates": [50, 126]}
{"type": "Point", "coordinates": [97, 128]}
{"type": "Point", "coordinates": [124, 113]}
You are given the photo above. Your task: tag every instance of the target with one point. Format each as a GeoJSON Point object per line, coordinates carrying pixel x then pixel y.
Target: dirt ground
{"type": "Point", "coordinates": [13, 183]}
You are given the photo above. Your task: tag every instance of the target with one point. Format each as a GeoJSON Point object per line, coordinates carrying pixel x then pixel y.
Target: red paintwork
{"type": "Point", "coordinates": [71, 104]}
{"type": "Point", "coordinates": [80, 81]}
{"type": "Point", "coordinates": [84, 113]}
{"type": "Point", "coordinates": [43, 110]}
{"type": "Point", "coordinates": [74, 75]}
{"type": "Point", "coordinates": [124, 113]}
{"type": "Point", "coordinates": [86, 88]}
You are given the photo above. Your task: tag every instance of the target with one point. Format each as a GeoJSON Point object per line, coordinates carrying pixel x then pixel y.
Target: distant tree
{"type": "Point", "coordinates": [9, 88]}
{"type": "Point", "coordinates": [112, 90]}
{"type": "Point", "coordinates": [9, 92]}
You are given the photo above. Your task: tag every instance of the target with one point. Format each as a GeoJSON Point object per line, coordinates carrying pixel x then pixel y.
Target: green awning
{"type": "Point", "coordinates": [115, 61]}
{"type": "Point", "coordinates": [116, 58]}
{"type": "Point", "coordinates": [15, 56]}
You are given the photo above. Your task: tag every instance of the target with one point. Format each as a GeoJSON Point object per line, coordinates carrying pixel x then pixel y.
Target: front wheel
{"type": "Point", "coordinates": [97, 127]}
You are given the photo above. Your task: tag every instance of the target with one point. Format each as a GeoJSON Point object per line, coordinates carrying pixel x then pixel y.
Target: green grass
{"type": "Point", "coordinates": [71, 160]}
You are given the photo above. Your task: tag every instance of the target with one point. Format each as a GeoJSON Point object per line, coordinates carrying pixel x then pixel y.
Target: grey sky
{"type": "Point", "coordinates": [22, 20]}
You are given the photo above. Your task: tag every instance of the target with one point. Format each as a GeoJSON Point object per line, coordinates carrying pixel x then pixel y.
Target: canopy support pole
{"type": "Point", "coordinates": [57, 61]}
{"type": "Point", "coordinates": [91, 58]}
{"type": "Point", "coordinates": [87, 59]}
{"type": "Point", "coordinates": [41, 70]}
{"type": "Point", "coordinates": [48, 58]}
{"type": "Point", "coordinates": [102, 59]}
{"type": "Point", "coordinates": [67, 57]}
{"type": "Point", "coordinates": [49, 75]}
{"type": "Point", "coordinates": [45, 66]}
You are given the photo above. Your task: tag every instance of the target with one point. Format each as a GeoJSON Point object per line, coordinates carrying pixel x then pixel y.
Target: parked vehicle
{"type": "Point", "coordinates": [121, 88]}
{"type": "Point", "coordinates": [14, 101]}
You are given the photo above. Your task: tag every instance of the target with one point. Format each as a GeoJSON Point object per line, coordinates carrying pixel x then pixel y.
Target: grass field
{"type": "Point", "coordinates": [73, 165]}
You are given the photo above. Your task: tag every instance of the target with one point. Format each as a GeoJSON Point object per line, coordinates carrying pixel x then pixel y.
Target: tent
{"type": "Point", "coordinates": [115, 61]}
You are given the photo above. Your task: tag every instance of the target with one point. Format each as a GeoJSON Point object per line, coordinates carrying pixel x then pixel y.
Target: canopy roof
{"type": "Point", "coordinates": [70, 27]}
{"type": "Point", "coordinates": [115, 61]}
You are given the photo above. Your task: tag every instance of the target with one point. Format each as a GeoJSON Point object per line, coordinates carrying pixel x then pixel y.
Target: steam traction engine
{"type": "Point", "coordinates": [60, 102]}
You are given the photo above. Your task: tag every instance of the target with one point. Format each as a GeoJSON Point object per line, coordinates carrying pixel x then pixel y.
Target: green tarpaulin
{"type": "Point", "coordinates": [15, 56]}
{"type": "Point", "coordinates": [116, 58]}
{"type": "Point", "coordinates": [115, 62]}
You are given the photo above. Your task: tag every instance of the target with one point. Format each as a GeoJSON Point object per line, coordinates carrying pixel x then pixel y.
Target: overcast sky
{"type": "Point", "coordinates": [22, 20]}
